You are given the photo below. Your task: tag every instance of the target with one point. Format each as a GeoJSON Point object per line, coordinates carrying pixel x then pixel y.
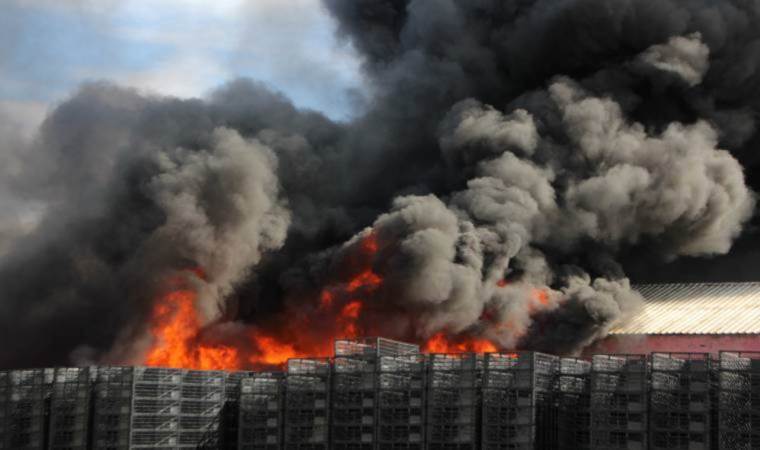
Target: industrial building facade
{"type": "Point", "coordinates": [381, 394]}
{"type": "Point", "coordinates": [689, 318]}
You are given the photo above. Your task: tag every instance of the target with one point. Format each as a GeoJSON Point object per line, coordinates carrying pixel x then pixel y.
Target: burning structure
{"type": "Point", "coordinates": [378, 394]}
{"type": "Point", "coordinates": [509, 163]}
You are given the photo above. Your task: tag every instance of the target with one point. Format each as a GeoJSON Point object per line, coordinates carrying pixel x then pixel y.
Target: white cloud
{"type": "Point", "coordinates": [184, 75]}
{"type": "Point", "coordinates": [287, 44]}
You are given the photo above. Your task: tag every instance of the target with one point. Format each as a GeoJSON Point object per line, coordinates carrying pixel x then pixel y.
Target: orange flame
{"type": "Point", "coordinates": [541, 296]}
{"type": "Point", "coordinates": [175, 329]}
{"type": "Point", "coordinates": [348, 317]}
{"type": "Point", "coordinates": [342, 309]}
{"type": "Point", "coordinates": [367, 279]}
{"type": "Point", "coordinates": [325, 299]}
{"type": "Point", "coordinates": [440, 343]}
{"type": "Point", "coordinates": [272, 352]}
{"type": "Point", "coordinates": [369, 244]}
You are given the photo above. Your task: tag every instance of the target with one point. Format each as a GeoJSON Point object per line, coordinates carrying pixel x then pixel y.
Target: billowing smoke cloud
{"type": "Point", "coordinates": [514, 160]}
{"type": "Point", "coordinates": [126, 210]}
{"type": "Point", "coordinates": [683, 56]}
{"type": "Point", "coordinates": [221, 208]}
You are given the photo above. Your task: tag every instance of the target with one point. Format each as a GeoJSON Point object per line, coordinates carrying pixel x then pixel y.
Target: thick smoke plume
{"type": "Point", "coordinates": [514, 159]}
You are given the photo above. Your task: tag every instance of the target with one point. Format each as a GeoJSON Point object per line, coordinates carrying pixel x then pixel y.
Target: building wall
{"type": "Point", "coordinates": [676, 343]}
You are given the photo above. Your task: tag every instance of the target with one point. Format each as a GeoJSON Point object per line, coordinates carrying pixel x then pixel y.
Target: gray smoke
{"type": "Point", "coordinates": [514, 161]}
{"type": "Point", "coordinates": [128, 210]}
{"type": "Point", "coordinates": [676, 188]}
{"type": "Point", "coordinates": [685, 57]}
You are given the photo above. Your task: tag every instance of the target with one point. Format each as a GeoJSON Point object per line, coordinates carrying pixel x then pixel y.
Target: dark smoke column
{"type": "Point", "coordinates": [513, 159]}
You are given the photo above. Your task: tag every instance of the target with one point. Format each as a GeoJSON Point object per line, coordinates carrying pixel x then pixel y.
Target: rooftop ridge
{"type": "Point", "coordinates": [695, 308]}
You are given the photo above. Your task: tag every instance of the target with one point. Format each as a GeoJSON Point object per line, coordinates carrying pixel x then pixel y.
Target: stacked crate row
{"type": "Point", "coordinates": [353, 402]}
{"type": "Point", "coordinates": [25, 409]}
{"type": "Point", "coordinates": [383, 395]}
{"type": "Point", "coordinates": [619, 391]}
{"type": "Point", "coordinates": [174, 408]}
{"type": "Point", "coordinates": [112, 407]}
{"type": "Point", "coordinates": [155, 407]}
{"type": "Point", "coordinates": [401, 390]}
{"type": "Point", "coordinates": [453, 405]}
{"type": "Point", "coordinates": [307, 404]}
{"type": "Point", "coordinates": [203, 397]}
{"type": "Point", "coordinates": [373, 347]}
{"type": "Point", "coordinates": [69, 409]}
{"type": "Point", "coordinates": [4, 418]}
{"type": "Point", "coordinates": [229, 419]}
{"type": "Point", "coordinates": [739, 400]}
{"type": "Point", "coordinates": [359, 382]}
{"type": "Point", "coordinates": [680, 401]}
{"type": "Point", "coordinates": [518, 408]}
{"type": "Point", "coordinates": [261, 411]}
{"type": "Point", "coordinates": [573, 397]}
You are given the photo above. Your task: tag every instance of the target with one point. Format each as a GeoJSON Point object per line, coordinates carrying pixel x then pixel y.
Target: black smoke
{"type": "Point", "coordinates": [556, 145]}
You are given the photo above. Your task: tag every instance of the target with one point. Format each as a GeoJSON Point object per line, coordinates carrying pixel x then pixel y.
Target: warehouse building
{"type": "Point", "coordinates": [689, 317]}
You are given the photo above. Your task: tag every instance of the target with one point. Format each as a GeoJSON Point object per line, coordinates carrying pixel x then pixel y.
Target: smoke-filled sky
{"type": "Point", "coordinates": [182, 48]}
{"type": "Point", "coordinates": [499, 170]}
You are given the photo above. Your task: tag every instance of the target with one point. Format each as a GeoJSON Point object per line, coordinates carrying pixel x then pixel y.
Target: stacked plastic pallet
{"type": "Point", "coordinates": [174, 408]}
{"type": "Point", "coordinates": [69, 409]}
{"type": "Point", "coordinates": [261, 411]}
{"type": "Point", "coordinates": [400, 397]}
{"type": "Point", "coordinates": [619, 387]}
{"type": "Point", "coordinates": [26, 405]}
{"type": "Point", "coordinates": [573, 399]}
{"type": "Point", "coordinates": [355, 389]}
{"type": "Point", "coordinates": [353, 402]}
{"type": "Point", "coordinates": [373, 347]}
{"type": "Point", "coordinates": [202, 402]}
{"type": "Point", "coordinates": [112, 407]}
{"type": "Point", "coordinates": [680, 401]}
{"type": "Point", "coordinates": [229, 419]}
{"type": "Point", "coordinates": [517, 403]}
{"type": "Point", "coordinates": [3, 414]}
{"type": "Point", "coordinates": [307, 404]}
{"type": "Point", "coordinates": [453, 401]}
{"type": "Point", "coordinates": [156, 401]}
{"type": "Point", "coordinates": [739, 401]}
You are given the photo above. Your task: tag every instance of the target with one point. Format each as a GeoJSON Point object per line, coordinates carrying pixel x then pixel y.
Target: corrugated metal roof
{"type": "Point", "coordinates": [695, 308]}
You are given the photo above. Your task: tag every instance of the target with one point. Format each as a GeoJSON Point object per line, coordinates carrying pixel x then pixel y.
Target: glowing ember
{"type": "Point", "coordinates": [541, 296]}
{"type": "Point", "coordinates": [369, 244]}
{"type": "Point", "coordinates": [348, 316]}
{"type": "Point", "coordinates": [325, 299]}
{"type": "Point", "coordinates": [351, 310]}
{"type": "Point", "coordinates": [367, 279]}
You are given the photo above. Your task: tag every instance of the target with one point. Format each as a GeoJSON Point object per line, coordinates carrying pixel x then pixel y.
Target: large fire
{"type": "Point", "coordinates": [176, 331]}
{"type": "Point", "coordinates": [271, 351]}
{"type": "Point", "coordinates": [180, 339]}
{"type": "Point", "coordinates": [441, 343]}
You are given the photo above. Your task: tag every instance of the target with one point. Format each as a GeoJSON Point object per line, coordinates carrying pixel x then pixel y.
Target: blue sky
{"type": "Point", "coordinates": [182, 48]}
